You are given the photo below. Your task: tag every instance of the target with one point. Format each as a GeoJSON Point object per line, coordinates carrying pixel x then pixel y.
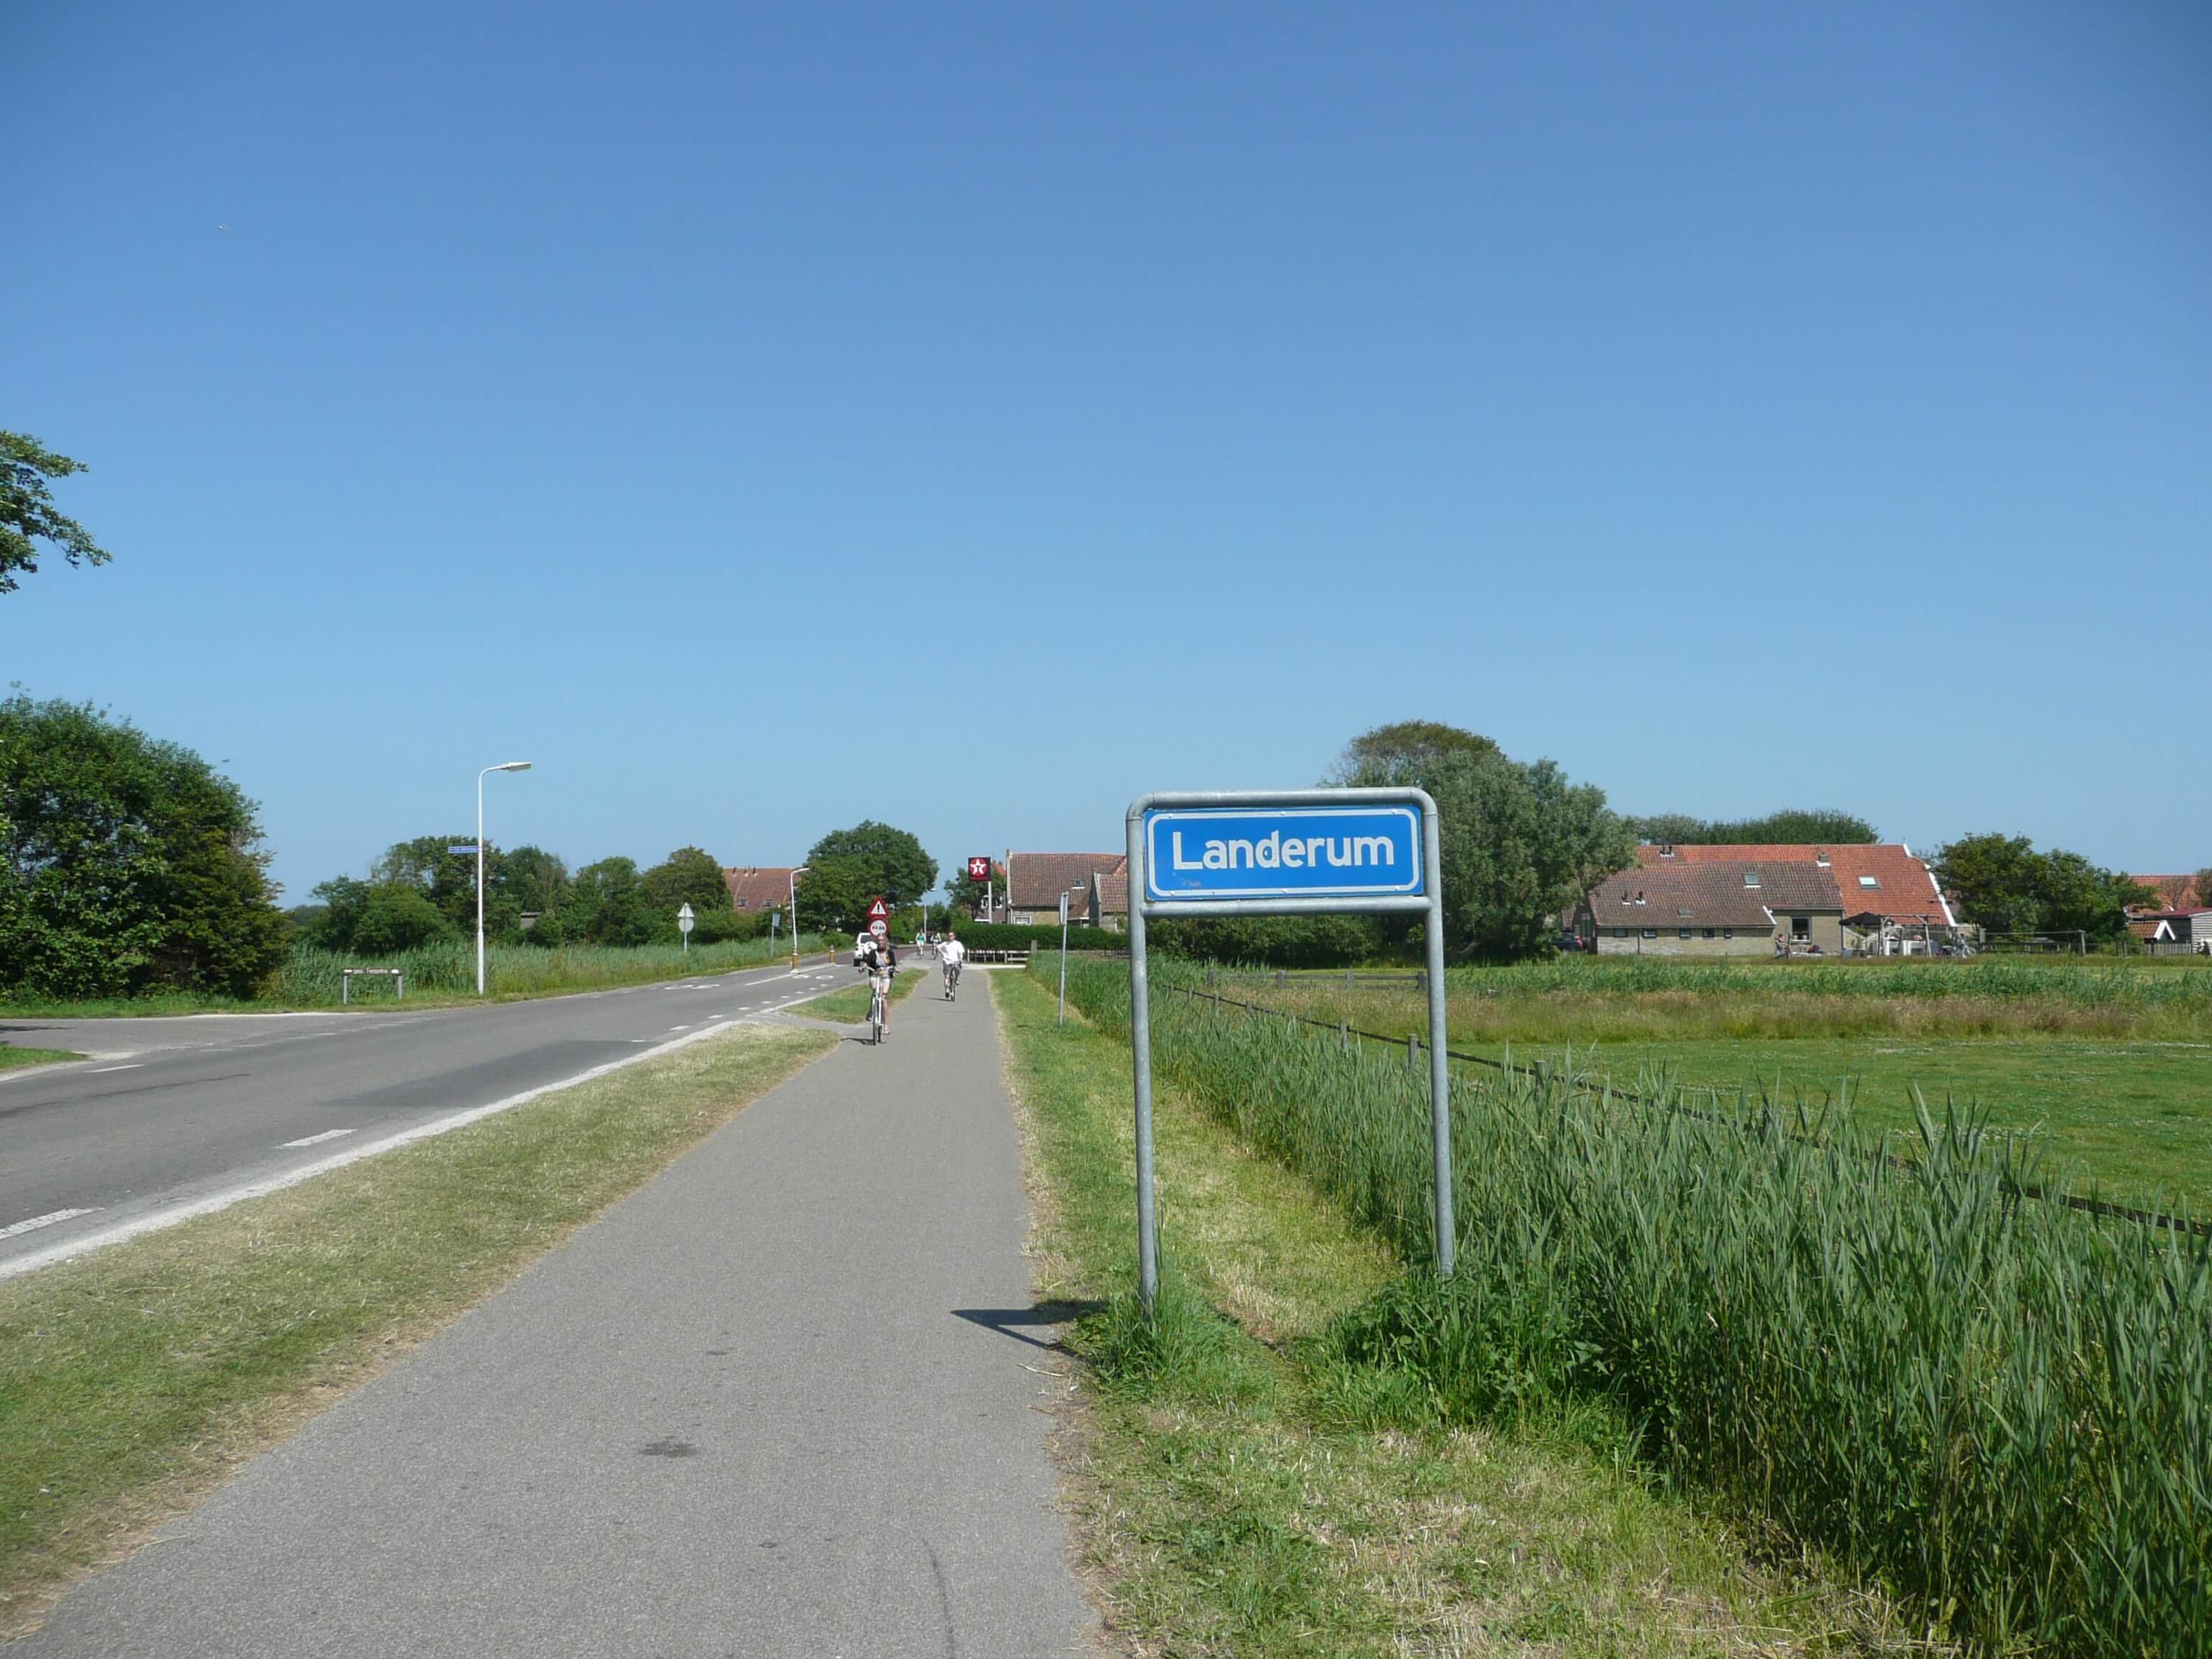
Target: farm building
{"type": "Point", "coordinates": [1096, 883]}
{"type": "Point", "coordinates": [1715, 908]}
{"type": "Point", "coordinates": [758, 886]}
{"type": "Point", "coordinates": [1891, 903]}
{"type": "Point", "coordinates": [2188, 927]}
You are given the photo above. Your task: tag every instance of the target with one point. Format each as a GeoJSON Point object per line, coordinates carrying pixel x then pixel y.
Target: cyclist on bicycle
{"type": "Point", "coordinates": [878, 960]}
{"type": "Point", "coordinates": [952, 952]}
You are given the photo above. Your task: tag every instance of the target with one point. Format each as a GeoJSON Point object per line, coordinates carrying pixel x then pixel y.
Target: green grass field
{"type": "Point", "coordinates": [2106, 1071]}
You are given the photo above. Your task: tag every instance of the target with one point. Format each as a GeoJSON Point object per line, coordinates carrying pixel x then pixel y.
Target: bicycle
{"type": "Point", "coordinates": [878, 1015]}
{"type": "Point", "coordinates": [951, 981]}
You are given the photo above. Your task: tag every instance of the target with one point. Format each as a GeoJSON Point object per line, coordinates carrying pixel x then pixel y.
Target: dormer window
{"type": "Point", "coordinates": [1750, 877]}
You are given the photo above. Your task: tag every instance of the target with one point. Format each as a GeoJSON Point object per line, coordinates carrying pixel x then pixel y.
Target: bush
{"type": "Point", "coordinates": [1273, 941]}
{"type": "Point", "coordinates": [1023, 936]}
{"type": "Point", "coordinates": [131, 865]}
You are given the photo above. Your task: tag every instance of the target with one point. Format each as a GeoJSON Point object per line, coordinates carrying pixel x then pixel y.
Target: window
{"type": "Point", "coordinates": [1869, 881]}
{"type": "Point", "coordinates": [1651, 932]}
{"type": "Point", "coordinates": [1728, 932]}
{"type": "Point", "coordinates": [1620, 933]}
{"type": "Point", "coordinates": [1708, 932]}
{"type": "Point", "coordinates": [1801, 926]}
{"type": "Point", "coordinates": [1685, 933]}
{"type": "Point", "coordinates": [1750, 877]}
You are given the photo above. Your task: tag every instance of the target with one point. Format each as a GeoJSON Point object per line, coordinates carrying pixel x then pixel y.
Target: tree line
{"type": "Point", "coordinates": [421, 891]}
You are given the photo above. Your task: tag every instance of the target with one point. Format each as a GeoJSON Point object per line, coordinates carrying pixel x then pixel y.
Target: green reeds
{"type": "Point", "coordinates": [2003, 1408]}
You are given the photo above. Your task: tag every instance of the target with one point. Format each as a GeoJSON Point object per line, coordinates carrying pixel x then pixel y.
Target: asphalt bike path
{"type": "Point", "coordinates": [172, 1112]}
{"type": "Point", "coordinates": [787, 1399]}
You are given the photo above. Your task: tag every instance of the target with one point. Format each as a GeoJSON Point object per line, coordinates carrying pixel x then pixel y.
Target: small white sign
{"type": "Point", "coordinates": [683, 919]}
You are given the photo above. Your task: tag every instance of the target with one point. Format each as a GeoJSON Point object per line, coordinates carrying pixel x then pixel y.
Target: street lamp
{"type": "Point", "coordinates": [795, 873]}
{"type": "Point", "coordinates": [504, 765]}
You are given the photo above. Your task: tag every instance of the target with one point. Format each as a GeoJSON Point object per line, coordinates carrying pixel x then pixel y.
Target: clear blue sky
{"type": "Point", "coordinates": [766, 418]}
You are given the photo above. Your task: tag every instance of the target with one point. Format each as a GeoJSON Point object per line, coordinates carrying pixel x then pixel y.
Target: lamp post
{"type": "Point", "coordinates": [504, 766]}
{"type": "Point", "coordinates": [796, 874]}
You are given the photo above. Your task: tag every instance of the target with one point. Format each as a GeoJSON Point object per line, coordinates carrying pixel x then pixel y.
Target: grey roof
{"type": "Point", "coordinates": [1713, 893]}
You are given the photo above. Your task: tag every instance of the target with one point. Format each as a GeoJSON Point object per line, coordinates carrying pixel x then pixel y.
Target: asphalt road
{"type": "Point", "coordinates": [782, 1402]}
{"type": "Point", "coordinates": [172, 1112]}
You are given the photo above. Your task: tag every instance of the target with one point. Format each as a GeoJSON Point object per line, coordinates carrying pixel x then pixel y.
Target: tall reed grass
{"type": "Point", "coordinates": [2004, 1409]}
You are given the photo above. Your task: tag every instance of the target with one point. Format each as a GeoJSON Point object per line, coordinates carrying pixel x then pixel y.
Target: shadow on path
{"type": "Point", "coordinates": [1004, 1320]}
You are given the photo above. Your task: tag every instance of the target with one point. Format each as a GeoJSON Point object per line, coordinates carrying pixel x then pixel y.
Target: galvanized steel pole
{"type": "Point", "coordinates": [1140, 1054]}
{"type": "Point", "coordinates": [1439, 1062]}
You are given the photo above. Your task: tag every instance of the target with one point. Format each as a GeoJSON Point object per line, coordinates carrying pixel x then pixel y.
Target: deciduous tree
{"type": "Point", "coordinates": [26, 510]}
{"type": "Point", "coordinates": [884, 859]}
{"type": "Point", "coordinates": [2003, 883]}
{"type": "Point", "coordinates": [1793, 826]}
{"type": "Point", "coordinates": [126, 863]}
{"type": "Point", "coordinates": [1521, 844]}
{"type": "Point", "coordinates": [1403, 752]}
{"type": "Point", "coordinates": [687, 875]}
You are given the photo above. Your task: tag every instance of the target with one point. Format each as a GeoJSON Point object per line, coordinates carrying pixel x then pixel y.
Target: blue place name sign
{"type": "Point", "coordinates": [1212, 854]}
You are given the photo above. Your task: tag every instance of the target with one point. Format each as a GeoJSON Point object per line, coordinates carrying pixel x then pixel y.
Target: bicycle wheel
{"type": "Point", "coordinates": [876, 1018]}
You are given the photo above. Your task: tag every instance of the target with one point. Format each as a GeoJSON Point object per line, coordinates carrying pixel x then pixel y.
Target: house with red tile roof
{"type": "Point", "coordinates": [1715, 908]}
{"type": "Point", "coordinates": [2174, 892]}
{"type": "Point", "coordinates": [1881, 884]}
{"type": "Point", "coordinates": [1097, 885]}
{"type": "Point", "coordinates": [759, 886]}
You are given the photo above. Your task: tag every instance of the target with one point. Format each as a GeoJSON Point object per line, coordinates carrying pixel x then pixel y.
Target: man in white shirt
{"type": "Point", "coordinates": [952, 952]}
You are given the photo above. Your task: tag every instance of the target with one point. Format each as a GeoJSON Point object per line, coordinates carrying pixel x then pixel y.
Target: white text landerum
{"type": "Point", "coordinates": [1275, 851]}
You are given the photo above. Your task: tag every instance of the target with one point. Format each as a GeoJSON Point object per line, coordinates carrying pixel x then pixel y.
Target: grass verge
{"type": "Point", "coordinates": [11, 1058]}
{"type": "Point", "coordinates": [1240, 1490]}
{"type": "Point", "coordinates": [438, 976]}
{"type": "Point", "coordinates": [850, 1005]}
{"type": "Point", "coordinates": [133, 1380]}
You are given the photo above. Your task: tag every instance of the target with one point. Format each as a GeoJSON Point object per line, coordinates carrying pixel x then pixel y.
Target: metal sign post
{"type": "Point", "coordinates": [1298, 853]}
{"type": "Point", "coordinates": [1063, 959]}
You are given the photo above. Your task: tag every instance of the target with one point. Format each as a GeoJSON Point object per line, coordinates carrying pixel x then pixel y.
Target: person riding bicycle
{"type": "Point", "coordinates": [878, 960]}
{"type": "Point", "coordinates": [952, 952]}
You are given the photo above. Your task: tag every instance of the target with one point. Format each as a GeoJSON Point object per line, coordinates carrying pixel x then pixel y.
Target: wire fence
{"type": "Point", "coordinates": [1346, 1031]}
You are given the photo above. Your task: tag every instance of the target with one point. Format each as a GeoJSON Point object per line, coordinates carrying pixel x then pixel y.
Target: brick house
{"type": "Point", "coordinates": [1715, 908]}
{"type": "Point", "coordinates": [759, 886]}
{"type": "Point", "coordinates": [1096, 883]}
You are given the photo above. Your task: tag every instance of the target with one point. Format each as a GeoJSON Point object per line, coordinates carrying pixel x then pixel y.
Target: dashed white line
{"type": "Point", "coordinates": [38, 1221]}
{"type": "Point", "coordinates": [132, 1067]}
{"type": "Point", "coordinates": [316, 1140]}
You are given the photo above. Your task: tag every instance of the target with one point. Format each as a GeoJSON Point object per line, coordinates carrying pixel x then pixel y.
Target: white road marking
{"type": "Point", "coordinates": [316, 1141]}
{"type": "Point", "coordinates": [38, 1221]}
{"type": "Point", "coordinates": [154, 1221]}
{"type": "Point", "coordinates": [132, 1067]}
